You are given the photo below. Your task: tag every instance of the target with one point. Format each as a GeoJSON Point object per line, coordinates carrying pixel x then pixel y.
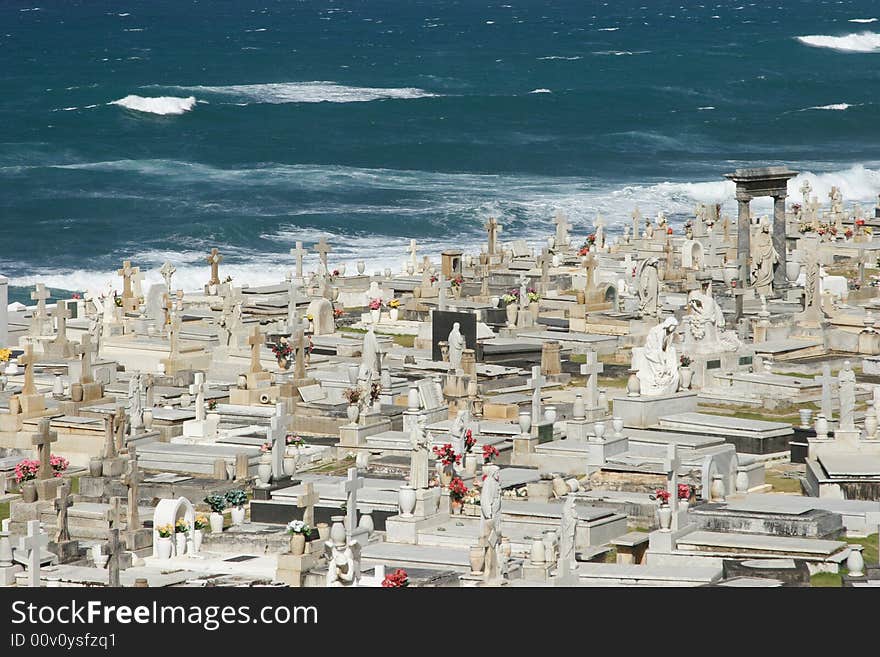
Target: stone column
{"type": "Point", "coordinates": [780, 282]}
{"type": "Point", "coordinates": [743, 249]}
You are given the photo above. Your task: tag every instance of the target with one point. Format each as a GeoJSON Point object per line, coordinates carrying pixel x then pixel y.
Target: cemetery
{"type": "Point", "coordinates": [653, 402]}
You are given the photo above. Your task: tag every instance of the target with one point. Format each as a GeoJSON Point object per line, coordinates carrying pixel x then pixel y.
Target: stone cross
{"type": "Point", "coordinates": [805, 192]}
{"type": "Point", "coordinates": [174, 335]}
{"type": "Point", "coordinates": [126, 273]}
{"type": "Point", "coordinates": [590, 264]}
{"type": "Point", "coordinates": [299, 345]}
{"type": "Point", "coordinates": [637, 222]}
{"type": "Point", "coordinates": [28, 360]}
{"type": "Point", "coordinates": [137, 278]}
{"type": "Point", "coordinates": [827, 380]}
{"type": "Point", "coordinates": [535, 383]}
{"type": "Point", "coordinates": [214, 259]}
{"type": "Point", "coordinates": [545, 268]}
{"type": "Point", "coordinates": [131, 480]}
{"type": "Point", "coordinates": [307, 500]}
{"type": "Point", "coordinates": [591, 370]}
{"type": "Point", "coordinates": [670, 465]}
{"type": "Point", "coordinates": [352, 484]}
{"type": "Point", "coordinates": [63, 502]}
{"type": "Point", "coordinates": [412, 255]}
{"type": "Point", "coordinates": [562, 227]}
{"type": "Point", "coordinates": [276, 435]}
{"type": "Point", "coordinates": [43, 442]}
{"type": "Point", "coordinates": [198, 389]}
{"type": "Point", "coordinates": [40, 294]}
{"type": "Point", "coordinates": [113, 548]}
{"type": "Point", "coordinates": [61, 314]}
{"type": "Point", "coordinates": [167, 272]}
{"type": "Point", "coordinates": [298, 253]}
{"type": "Point", "coordinates": [84, 349]}
{"type": "Point", "coordinates": [255, 340]}
{"type": "Point", "coordinates": [322, 249]}
{"type": "Point", "coordinates": [493, 227]}
{"type": "Point", "coordinates": [34, 543]}
{"type": "Point", "coordinates": [108, 451]}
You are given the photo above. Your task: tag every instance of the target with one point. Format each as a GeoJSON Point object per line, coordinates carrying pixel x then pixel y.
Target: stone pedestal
{"type": "Point", "coordinates": [525, 444]}
{"type": "Point", "coordinates": [292, 568]}
{"type": "Point", "coordinates": [354, 435]}
{"type": "Point", "coordinates": [67, 551]}
{"type": "Point", "coordinates": [644, 412]}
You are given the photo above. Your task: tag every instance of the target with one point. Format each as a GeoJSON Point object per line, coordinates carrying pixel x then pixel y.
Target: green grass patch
{"type": "Point", "coordinates": [782, 484]}
{"type": "Point", "coordinates": [4, 510]}
{"type": "Point", "coordinates": [349, 329]}
{"type": "Point", "coordinates": [404, 340]}
{"type": "Point", "coordinates": [870, 554]}
{"type": "Point", "coordinates": [74, 485]}
{"type": "Point", "coordinates": [826, 580]}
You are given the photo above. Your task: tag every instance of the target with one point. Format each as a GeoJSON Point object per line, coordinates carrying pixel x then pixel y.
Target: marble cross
{"type": "Point", "coordinates": [63, 502]}
{"type": "Point", "coordinates": [168, 270]}
{"type": "Point", "coordinates": [562, 227]}
{"type": "Point", "coordinates": [214, 259]}
{"type": "Point", "coordinates": [589, 263]}
{"type": "Point", "coordinates": [84, 349]}
{"type": "Point", "coordinates": [276, 435]}
{"type": "Point", "coordinates": [307, 501]}
{"type": "Point", "coordinates": [670, 465]}
{"type": "Point", "coordinates": [493, 228]}
{"type": "Point", "coordinates": [40, 294]}
{"type": "Point", "coordinates": [352, 484]}
{"type": "Point", "coordinates": [298, 253]}
{"type": "Point", "coordinates": [322, 249]}
{"type": "Point", "coordinates": [535, 383]}
{"type": "Point", "coordinates": [198, 389]}
{"type": "Point", "coordinates": [805, 192]}
{"type": "Point", "coordinates": [114, 548]}
{"type": "Point", "coordinates": [43, 442]}
{"type": "Point", "coordinates": [33, 543]}
{"type": "Point", "coordinates": [591, 370]}
{"type": "Point", "coordinates": [412, 255]}
{"type": "Point", "coordinates": [61, 314]}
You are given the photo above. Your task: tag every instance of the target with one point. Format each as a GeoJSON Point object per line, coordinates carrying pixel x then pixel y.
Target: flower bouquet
{"type": "Point", "coordinates": [396, 580]}
{"type": "Point", "coordinates": [446, 455]}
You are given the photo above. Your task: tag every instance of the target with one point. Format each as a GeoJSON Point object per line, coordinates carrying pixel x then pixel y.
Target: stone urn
{"type": "Point", "coordinates": [297, 544]}
{"type": "Point", "coordinates": [180, 543]}
{"type": "Point", "coordinates": [290, 465]}
{"type": "Point", "coordinates": [579, 409]}
{"type": "Point", "coordinates": [366, 522]}
{"type": "Point", "coordinates": [216, 520]}
{"type": "Point", "coordinates": [406, 501]}
{"type": "Point", "coordinates": [413, 401]}
{"type": "Point", "coordinates": [821, 427]}
{"type": "Point", "coordinates": [163, 548]}
{"type": "Point", "coordinates": [353, 411]}
{"type": "Point", "coordinates": [686, 377]}
{"type": "Point", "coordinates": [337, 530]}
{"type": "Point", "coordinates": [264, 469]}
{"type": "Point", "coordinates": [76, 392]}
{"type": "Point", "coordinates": [361, 267]}
{"type": "Point", "coordinates": [664, 515]}
{"type": "Point", "coordinates": [96, 466]}
{"type": "Point", "coordinates": [525, 422]}
{"type": "Point", "coordinates": [535, 308]}
{"type": "Point", "coordinates": [599, 430]}
{"type": "Point", "coordinates": [550, 414]}
{"type": "Point", "coordinates": [29, 492]}
{"type": "Point", "coordinates": [617, 425]}
{"type": "Point", "coordinates": [633, 385]}
{"type": "Point", "coordinates": [323, 530]}
{"type": "Point", "coordinates": [855, 562]}
{"type": "Point", "coordinates": [742, 482]}
{"type": "Point", "coordinates": [792, 270]}
{"type": "Point", "coordinates": [716, 491]}
{"type": "Point", "coordinates": [283, 363]}
{"type": "Point", "coordinates": [477, 557]}
{"type": "Point", "coordinates": [806, 417]}
{"type": "Point", "coordinates": [148, 418]}
{"type": "Point", "coordinates": [537, 553]}
{"type": "Point", "coordinates": [512, 310]}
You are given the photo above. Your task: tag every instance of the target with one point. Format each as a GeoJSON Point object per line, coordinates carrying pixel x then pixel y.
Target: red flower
{"type": "Point", "coordinates": [457, 489]}
{"type": "Point", "coordinates": [684, 491]}
{"type": "Point", "coordinates": [469, 441]}
{"type": "Point", "coordinates": [669, 231]}
{"type": "Point", "coordinates": [860, 222]}
{"type": "Point", "coordinates": [489, 452]}
{"type": "Point", "coordinates": [396, 580]}
{"type": "Point", "coordinates": [447, 455]}
{"type": "Point", "coordinates": [662, 495]}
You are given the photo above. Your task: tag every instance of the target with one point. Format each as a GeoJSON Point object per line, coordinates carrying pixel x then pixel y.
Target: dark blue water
{"type": "Point", "coordinates": [374, 122]}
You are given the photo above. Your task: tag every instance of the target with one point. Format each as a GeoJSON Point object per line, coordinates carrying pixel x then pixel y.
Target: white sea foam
{"type": "Point", "coordinates": [861, 42]}
{"type": "Point", "coordinates": [834, 106]}
{"type": "Point", "coordinates": [308, 92]}
{"type": "Point", "coordinates": [569, 59]}
{"type": "Point", "coordinates": [608, 29]}
{"type": "Point", "coordinates": [163, 105]}
{"type": "Point", "coordinates": [540, 91]}
{"type": "Point", "coordinates": [706, 108]}
{"type": "Point", "coordinates": [862, 20]}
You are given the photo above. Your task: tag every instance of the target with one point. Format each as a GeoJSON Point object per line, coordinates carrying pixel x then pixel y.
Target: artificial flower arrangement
{"type": "Point", "coordinates": [338, 312]}
{"type": "Point", "coordinates": [662, 495]}
{"type": "Point", "coordinates": [396, 580]}
{"type": "Point", "coordinates": [200, 523]}
{"type": "Point", "coordinates": [236, 497]}
{"type": "Point", "coordinates": [434, 278]}
{"type": "Point", "coordinates": [469, 441]}
{"type": "Point", "coordinates": [265, 448]}
{"type": "Point", "coordinates": [472, 496]}
{"type": "Point", "coordinates": [848, 233]}
{"type": "Point", "coordinates": [212, 405]}
{"type": "Point", "coordinates": [512, 296]}
{"type": "Point", "coordinates": [375, 391]}
{"type": "Point", "coordinates": [860, 222]}
{"type": "Point", "coordinates": [489, 453]}
{"type": "Point", "coordinates": [585, 247]}
{"type": "Point", "coordinates": [352, 395]}
{"type": "Point", "coordinates": [447, 455]}
{"type": "Point", "coordinates": [394, 303]}
{"type": "Point", "coordinates": [685, 360]}
{"type": "Point", "coordinates": [294, 441]}
{"type": "Point", "coordinates": [5, 355]}
{"type": "Point", "coordinates": [29, 468]}
{"type": "Point", "coordinates": [533, 295]}
{"type": "Point", "coordinates": [282, 349]}
{"type": "Point", "coordinates": [375, 304]}
{"type": "Point", "coordinates": [165, 531]}
{"type": "Point", "coordinates": [457, 281]}
{"type": "Point", "coordinates": [216, 502]}
{"type": "Point", "coordinates": [181, 526]}
{"type": "Point", "coordinates": [457, 489]}
{"type": "Point", "coordinates": [298, 527]}
{"type": "Point", "coordinates": [684, 491]}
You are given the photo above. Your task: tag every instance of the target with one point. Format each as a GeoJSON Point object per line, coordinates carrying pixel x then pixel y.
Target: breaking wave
{"type": "Point", "coordinates": [308, 92]}
{"type": "Point", "coordinates": [162, 105]}
{"type": "Point", "coordinates": [861, 42]}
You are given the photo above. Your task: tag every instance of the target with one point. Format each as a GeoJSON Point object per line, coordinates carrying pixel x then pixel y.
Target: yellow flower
{"type": "Point", "coordinates": [5, 355]}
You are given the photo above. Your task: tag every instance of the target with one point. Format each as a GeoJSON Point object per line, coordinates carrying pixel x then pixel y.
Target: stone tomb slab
{"type": "Point", "coordinates": [722, 425]}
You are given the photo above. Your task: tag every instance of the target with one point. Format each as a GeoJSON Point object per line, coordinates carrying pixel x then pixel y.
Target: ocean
{"type": "Point", "coordinates": [154, 130]}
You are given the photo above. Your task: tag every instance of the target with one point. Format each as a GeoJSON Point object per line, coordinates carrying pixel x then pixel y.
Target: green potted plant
{"type": "Point", "coordinates": [237, 499]}
{"type": "Point", "coordinates": [217, 504]}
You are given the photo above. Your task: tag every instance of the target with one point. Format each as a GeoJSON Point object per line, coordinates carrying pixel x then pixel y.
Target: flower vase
{"type": "Point", "coordinates": [337, 530]}
{"type": "Point", "coordinates": [633, 385]}
{"type": "Point", "coordinates": [163, 547]}
{"type": "Point", "coordinates": [393, 314]}
{"type": "Point", "coordinates": [238, 514]}
{"type": "Point", "coordinates": [375, 315]}
{"type": "Point", "coordinates": [323, 530]}
{"type": "Point", "coordinates": [353, 411]}
{"type": "Point", "coordinates": [664, 514]}
{"type": "Point", "coordinates": [180, 543]}
{"type": "Point", "coordinates": [29, 491]}
{"type": "Point", "coordinates": [534, 309]}
{"type": "Point", "coordinates": [525, 422]}
{"type": "Point", "coordinates": [477, 556]}
{"type": "Point", "coordinates": [447, 472]}
{"type": "Point", "coordinates": [264, 469]}
{"type": "Point", "coordinates": [406, 501]}
{"type": "Point", "coordinates": [512, 310]}
{"type": "Point", "coordinates": [366, 522]}
{"type": "Point", "coordinates": [290, 465]}
{"type": "Point", "coordinates": [855, 562]}
{"type": "Point", "coordinates": [297, 544]}
{"type": "Point", "coordinates": [216, 520]}
{"type": "Point", "coordinates": [198, 534]}
{"type": "Point", "coordinates": [686, 375]}
{"type": "Point", "coordinates": [470, 463]}
{"type": "Point", "coordinates": [284, 363]}
{"type": "Point", "coordinates": [96, 466]}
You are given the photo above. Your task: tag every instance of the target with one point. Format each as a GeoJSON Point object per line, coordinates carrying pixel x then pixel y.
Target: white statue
{"type": "Point", "coordinates": [706, 322]}
{"type": "Point", "coordinates": [658, 372]}
{"type": "Point", "coordinates": [764, 259]}
{"type": "Point", "coordinates": [648, 277]}
{"type": "Point", "coordinates": [341, 566]}
{"type": "Point", "coordinates": [490, 519]}
{"type": "Point", "coordinates": [418, 463]}
{"type": "Point", "coordinates": [456, 346]}
{"type": "Point", "coordinates": [457, 431]}
{"type": "Point", "coordinates": [568, 531]}
{"type": "Point", "coordinates": [371, 359]}
{"type": "Point", "coordinates": [846, 391]}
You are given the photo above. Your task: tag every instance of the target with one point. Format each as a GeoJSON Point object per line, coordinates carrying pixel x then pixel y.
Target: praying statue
{"type": "Point", "coordinates": [490, 519]}
{"type": "Point", "coordinates": [648, 278]}
{"type": "Point", "coordinates": [457, 431]}
{"type": "Point", "coordinates": [456, 346]}
{"type": "Point", "coordinates": [658, 369]}
{"type": "Point", "coordinates": [706, 323]}
{"type": "Point", "coordinates": [764, 259]}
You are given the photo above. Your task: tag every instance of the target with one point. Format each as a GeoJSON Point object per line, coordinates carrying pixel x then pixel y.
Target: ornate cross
{"type": "Point", "coordinates": [214, 259]}
{"type": "Point", "coordinates": [63, 502]}
{"type": "Point", "coordinates": [307, 500]}
{"type": "Point", "coordinates": [34, 543]}
{"type": "Point", "coordinates": [126, 273]}
{"type": "Point", "coordinates": [298, 253]}
{"type": "Point", "coordinates": [322, 249]}
{"type": "Point", "coordinates": [43, 442]}
{"type": "Point", "coordinates": [352, 484]}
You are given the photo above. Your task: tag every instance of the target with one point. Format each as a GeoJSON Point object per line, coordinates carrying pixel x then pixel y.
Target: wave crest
{"type": "Point", "coordinates": [858, 42]}
{"type": "Point", "coordinates": [163, 105]}
{"type": "Point", "coordinates": [309, 92]}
